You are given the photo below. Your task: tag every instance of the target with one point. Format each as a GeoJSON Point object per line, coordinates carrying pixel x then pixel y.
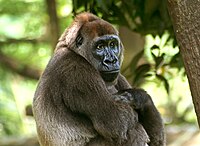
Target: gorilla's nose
{"type": "Point", "coordinates": [110, 60]}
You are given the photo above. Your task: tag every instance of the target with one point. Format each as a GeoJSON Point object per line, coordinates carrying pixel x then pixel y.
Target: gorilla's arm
{"type": "Point", "coordinates": [74, 102]}
{"type": "Point", "coordinates": [87, 94]}
{"type": "Point", "coordinates": [148, 115]}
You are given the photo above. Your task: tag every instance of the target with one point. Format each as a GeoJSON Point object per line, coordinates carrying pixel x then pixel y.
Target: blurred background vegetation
{"type": "Point", "coordinates": [29, 30]}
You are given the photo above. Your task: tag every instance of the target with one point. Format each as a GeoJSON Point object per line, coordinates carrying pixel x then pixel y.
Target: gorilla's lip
{"type": "Point", "coordinates": [111, 71]}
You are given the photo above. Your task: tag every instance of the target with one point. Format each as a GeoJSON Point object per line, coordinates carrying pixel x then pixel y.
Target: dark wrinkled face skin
{"type": "Point", "coordinates": [106, 51]}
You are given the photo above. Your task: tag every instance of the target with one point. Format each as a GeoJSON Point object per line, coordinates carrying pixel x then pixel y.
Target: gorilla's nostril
{"type": "Point", "coordinates": [114, 61]}
{"type": "Point", "coordinates": [107, 61]}
{"type": "Point", "coordinates": [110, 61]}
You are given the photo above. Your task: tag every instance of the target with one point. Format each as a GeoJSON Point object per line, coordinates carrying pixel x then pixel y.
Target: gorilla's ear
{"type": "Point", "coordinates": [79, 40]}
{"type": "Point", "coordinates": [70, 35]}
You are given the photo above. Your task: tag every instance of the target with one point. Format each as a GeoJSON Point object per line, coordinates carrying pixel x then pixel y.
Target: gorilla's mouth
{"type": "Point", "coordinates": [110, 71]}
{"type": "Point", "coordinates": [109, 76]}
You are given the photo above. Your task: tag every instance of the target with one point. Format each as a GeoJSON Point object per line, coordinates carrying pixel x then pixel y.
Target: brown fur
{"type": "Point", "coordinates": [73, 106]}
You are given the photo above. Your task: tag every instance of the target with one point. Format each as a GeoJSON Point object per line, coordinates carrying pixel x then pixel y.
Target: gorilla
{"type": "Point", "coordinates": [83, 100]}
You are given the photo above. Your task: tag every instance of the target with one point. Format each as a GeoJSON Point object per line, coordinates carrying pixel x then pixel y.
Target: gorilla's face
{"type": "Point", "coordinates": [98, 42]}
{"type": "Point", "coordinates": [107, 52]}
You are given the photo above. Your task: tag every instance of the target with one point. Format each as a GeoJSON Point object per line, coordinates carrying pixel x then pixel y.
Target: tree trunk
{"type": "Point", "coordinates": [54, 26]}
{"type": "Point", "coordinates": [185, 15]}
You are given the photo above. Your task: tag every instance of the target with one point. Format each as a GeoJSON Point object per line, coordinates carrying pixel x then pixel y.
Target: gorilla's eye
{"type": "Point", "coordinates": [100, 46]}
{"type": "Point", "coordinates": [112, 44]}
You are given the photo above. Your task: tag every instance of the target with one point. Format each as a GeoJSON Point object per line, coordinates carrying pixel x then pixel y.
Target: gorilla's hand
{"type": "Point", "coordinates": [137, 98]}
{"type": "Point", "coordinates": [148, 115]}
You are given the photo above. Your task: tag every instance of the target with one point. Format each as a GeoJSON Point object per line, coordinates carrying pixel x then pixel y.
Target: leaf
{"type": "Point", "coordinates": [159, 61]}
{"type": "Point", "coordinates": [167, 40]}
{"type": "Point", "coordinates": [176, 61]}
{"type": "Point", "coordinates": [164, 80]}
{"type": "Point", "coordinates": [155, 47]}
{"type": "Point", "coordinates": [121, 19]}
{"type": "Point", "coordinates": [175, 58]}
{"type": "Point", "coordinates": [143, 68]}
{"type": "Point", "coordinates": [175, 43]}
{"type": "Point", "coordinates": [103, 5]}
{"type": "Point", "coordinates": [154, 56]}
{"type": "Point", "coordinates": [78, 3]}
{"type": "Point", "coordinates": [141, 72]}
{"type": "Point", "coordinates": [135, 60]}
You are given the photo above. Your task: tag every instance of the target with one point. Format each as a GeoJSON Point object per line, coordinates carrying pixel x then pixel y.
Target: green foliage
{"type": "Point", "coordinates": [23, 27]}
{"type": "Point", "coordinates": [10, 121]}
{"type": "Point", "coordinates": [17, 18]}
{"type": "Point", "coordinates": [143, 16]}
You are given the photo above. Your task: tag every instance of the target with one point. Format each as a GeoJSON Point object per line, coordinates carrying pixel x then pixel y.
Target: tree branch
{"type": "Point", "coordinates": [16, 66]}
{"type": "Point", "coordinates": [54, 27]}
{"type": "Point", "coordinates": [23, 40]}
